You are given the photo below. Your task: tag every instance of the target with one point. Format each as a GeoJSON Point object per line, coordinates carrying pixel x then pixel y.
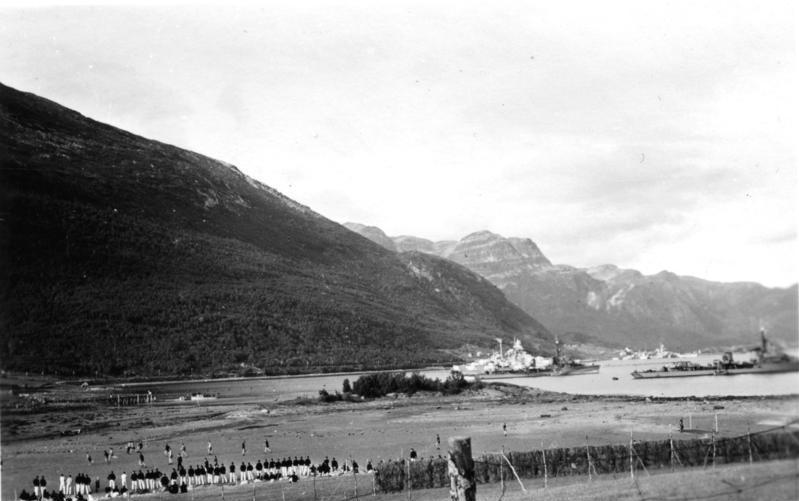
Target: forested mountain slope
{"type": "Point", "coordinates": [123, 255]}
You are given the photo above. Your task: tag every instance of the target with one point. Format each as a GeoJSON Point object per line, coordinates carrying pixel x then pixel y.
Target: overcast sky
{"type": "Point", "coordinates": [652, 135]}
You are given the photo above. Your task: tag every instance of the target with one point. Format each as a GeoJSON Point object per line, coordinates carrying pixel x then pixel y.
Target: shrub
{"type": "Point", "coordinates": [382, 383]}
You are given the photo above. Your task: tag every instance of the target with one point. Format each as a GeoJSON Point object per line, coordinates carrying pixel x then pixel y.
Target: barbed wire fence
{"type": "Point", "coordinates": [519, 471]}
{"type": "Point", "coordinates": [607, 461]}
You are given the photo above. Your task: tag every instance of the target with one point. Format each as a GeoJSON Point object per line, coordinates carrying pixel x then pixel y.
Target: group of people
{"type": "Point", "coordinates": [81, 486]}
{"type": "Point", "coordinates": [183, 478]}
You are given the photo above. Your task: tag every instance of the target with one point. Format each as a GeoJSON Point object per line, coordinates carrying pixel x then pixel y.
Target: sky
{"type": "Point", "coordinates": [648, 134]}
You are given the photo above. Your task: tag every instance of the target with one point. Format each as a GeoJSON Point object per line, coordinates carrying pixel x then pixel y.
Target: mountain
{"type": "Point", "coordinates": [122, 255]}
{"type": "Point", "coordinates": [610, 306]}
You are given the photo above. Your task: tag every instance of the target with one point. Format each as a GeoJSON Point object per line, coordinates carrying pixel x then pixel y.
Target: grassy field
{"type": "Point", "coordinates": [32, 443]}
{"type": "Point", "coordinates": [774, 481]}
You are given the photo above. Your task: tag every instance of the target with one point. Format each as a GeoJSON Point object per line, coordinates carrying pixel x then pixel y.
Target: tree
{"type": "Point", "coordinates": [346, 388]}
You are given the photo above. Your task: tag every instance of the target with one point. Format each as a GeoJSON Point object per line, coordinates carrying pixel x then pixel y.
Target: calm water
{"type": "Point", "coordinates": [281, 389]}
{"type": "Point", "coordinates": [603, 383]}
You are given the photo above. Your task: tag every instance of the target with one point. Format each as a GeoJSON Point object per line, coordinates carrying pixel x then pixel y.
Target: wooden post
{"type": "Point", "coordinates": [501, 472]}
{"type": "Point", "coordinates": [461, 470]}
{"type": "Point", "coordinates": [671, 450]}
{"type": "Point", "coordinates": [544, 455]}
{"type": "Point", "coordinates": [408, 476]}
{"type": "Point", "coordinates": [632, 471]}
{"type": "Point", "coordinates": [713, 440]}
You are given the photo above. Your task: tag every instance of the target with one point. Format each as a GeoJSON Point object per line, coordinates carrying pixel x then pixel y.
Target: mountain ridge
{"type": "Point", "coordinates": [620, 306]}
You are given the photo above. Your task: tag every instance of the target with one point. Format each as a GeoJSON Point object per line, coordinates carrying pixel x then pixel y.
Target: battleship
{"type": "Point", "coordinates": [517, 362]}
{"type": "Point", "coordinates": [762, 363]}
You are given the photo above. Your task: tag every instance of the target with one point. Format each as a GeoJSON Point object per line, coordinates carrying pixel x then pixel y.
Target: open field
{"type": "Point", "coordinates": [381, 429]}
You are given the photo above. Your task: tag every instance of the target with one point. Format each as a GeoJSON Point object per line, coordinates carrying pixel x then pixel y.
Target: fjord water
{"type": "Point", "coordinates": [273, 389]}
{"type": "Point", "coordinates": [603, 383]}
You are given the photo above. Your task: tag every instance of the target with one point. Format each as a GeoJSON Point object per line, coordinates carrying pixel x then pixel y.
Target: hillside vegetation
{"type": "Point", "coordinates": [126, 256]}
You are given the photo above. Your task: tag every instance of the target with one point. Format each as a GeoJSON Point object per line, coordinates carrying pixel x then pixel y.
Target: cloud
{"type": "Point", "coordinates": [651, 135]}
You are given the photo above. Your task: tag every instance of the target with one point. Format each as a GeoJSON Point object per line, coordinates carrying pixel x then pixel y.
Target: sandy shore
{"type": "Point", "coordinates": [386, 428]}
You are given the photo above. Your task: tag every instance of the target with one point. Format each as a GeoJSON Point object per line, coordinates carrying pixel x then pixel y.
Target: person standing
{"type": "Point", "coordinates": [682, 426]}
{"type": "Point", "coordinates": [43, 484]}
{"type": "Point", "coordinates": [112, 480]}
{"type": "Point", "coordinates": [266, 446]}
{"type": "Point", "coordinates": [69, 486]}
{"type": "Point", "coordinates": [124, 479]}
{"type": "Point", "coordinates": [243, 448]}
{"type": "Point", "coordinates": [36, 487]}
{"type": "Point", "coordinates": [210, 448]}
{"type": "Point", "coordinates": [505, 429]}
{"type": "Point", "coordinates": [438, 442]}
{"type": "Point", "coordinates": [62, 487]}
{"type": "Point", "coordinates": [89, 458]}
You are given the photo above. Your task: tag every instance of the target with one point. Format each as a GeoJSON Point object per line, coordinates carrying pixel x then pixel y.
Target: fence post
{"type": "Point", "coordinates": [671, 450]}
{"type": "Point", "coordinates": [408, 477]}
{"type": "Point", "coordinates": [501, 472]}
{"type": "Point", "coordinates": [544, 455]}
{"type": "Point", "coordinates": [713, 439]}
{"type": "Point", "coordinates": [461, 469]}
{"type": "Point", "coordinates": [632, 471]}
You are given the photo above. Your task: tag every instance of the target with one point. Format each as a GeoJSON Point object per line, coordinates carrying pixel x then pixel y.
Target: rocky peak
{"type": "Point", "coordinates": [406, 243]}
{"type": "Point", "coordinates": [529, 250]}
{"type": "Point", "coordinates": [495, 256]}
{"type": "Point", "coordinates": [373, 233]}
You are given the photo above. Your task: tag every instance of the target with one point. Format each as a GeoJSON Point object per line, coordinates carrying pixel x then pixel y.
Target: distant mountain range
{"type": "Point", "coordinates": [610, 306]}
{"type": "Point", "coordinates": [125, 256]}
